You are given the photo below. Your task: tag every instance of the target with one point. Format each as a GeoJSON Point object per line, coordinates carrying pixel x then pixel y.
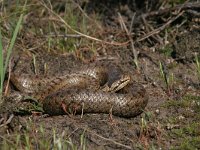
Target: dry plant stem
{"type": "Point", "coordinates": [9, 73]}
{"type": "Point", "coordinates": [180, 25]}
{"type": "Point", "coordinates": [82, 110]}
{"type": "Point", "coordinates": [193, 12]}
{"type": "Point", "coordinates": [87, 15]}
{"type": "Point", "coordinates": [163, 4]}
{"type": "Point", "coordinates": [79, 33]}
{"type": "Point", "coordinates": [181, 7]}
{"type": "Point", "coordinates": [7, 140]}
{"type": "Point", "coordinates": [8, 121]}
{"type": "Point", "coordinates": [72, 133]}
{"type": "Point", "coordinates": [132, 21]}
{"type": "Point", "coordinates": [158, 30]}
{"type": "Point", "coordinates": [111, 140]}
{"type": "Point", "coordinates": [64, 35]}
{"type": "Point", "coordinates": [135, 53]}
{"type": "Point", "coordinates": [36, 47]}
{"type": "Point", "coordinates": [148, 28]}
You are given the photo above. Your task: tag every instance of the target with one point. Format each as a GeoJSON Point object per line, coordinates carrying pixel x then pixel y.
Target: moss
{"type": "Point", "coordinates": [192, 143]}
{"type": "Point", "coordinates": [187, 131]}
{"type": "Point", "coordinates": [167, 51]}
{"type": "Point", "coordinates": [186, 102]}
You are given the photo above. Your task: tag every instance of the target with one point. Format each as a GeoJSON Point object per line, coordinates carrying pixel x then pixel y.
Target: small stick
{"type": "Point", "coordinates": [148, 28]}
{"type": "Point", "coordinates": [34, 64]}
{"type": "Point", "coordinates": [156, 31]}
{"type": "Point", "coordinates": [181, 7]}
{"type": "Point", "coordinates": [84, 35]}
{"type": "Point", "coordinates": [82, 110]}
{"type": "Point", "coordinates": [65, 35]}
{"type": "Point", "coordinates": [110, 140]}
{"type": "Point", "coordinates": [87, 15]}
{"type": "Point", "coordinates": [135, 53]}
{"type": "Point", "coordinates": [8, 121]}
{"type": "Point", "coordinates": [9, 74]}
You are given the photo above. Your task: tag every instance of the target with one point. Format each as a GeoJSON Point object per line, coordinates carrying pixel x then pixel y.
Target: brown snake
{"type": "Point", "coordinates": [89, 90]}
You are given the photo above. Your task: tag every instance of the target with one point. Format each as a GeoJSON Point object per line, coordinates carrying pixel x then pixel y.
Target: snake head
{"type": "Point", "coordinates": [117, 84]}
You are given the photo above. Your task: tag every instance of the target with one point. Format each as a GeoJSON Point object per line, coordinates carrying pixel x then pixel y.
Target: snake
{"type": "Point", "coordinates": [91, 89]}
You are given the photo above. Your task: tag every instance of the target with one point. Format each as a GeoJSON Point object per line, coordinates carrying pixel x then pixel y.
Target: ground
{"type": "Point", "coordinates": [159, 47]}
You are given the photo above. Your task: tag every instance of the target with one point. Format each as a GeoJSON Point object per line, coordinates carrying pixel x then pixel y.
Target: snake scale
{"type": "Point", "coordinates": [96, 89]}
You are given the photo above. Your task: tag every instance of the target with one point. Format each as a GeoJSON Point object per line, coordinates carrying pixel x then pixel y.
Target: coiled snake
{"type": "Point", "coordinates": [94, 89]}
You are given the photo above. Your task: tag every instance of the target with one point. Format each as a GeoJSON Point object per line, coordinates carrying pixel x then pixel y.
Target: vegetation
{"type": "Point", "coordinates": [59, 29]}
{"type": "Point", "coordinates": [186, 131]}
{"type": "Point", "coordinates": [33, 139]}
{"type": "Point", "coordinates": [8, 52]}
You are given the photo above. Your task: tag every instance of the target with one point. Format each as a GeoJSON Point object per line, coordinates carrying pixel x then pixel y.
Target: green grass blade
{"type": "Point", "coordinates": [12, 43]}
{"type": "Point", "coordinates": [9, 51]}
{"type": "Point", "coordinates": [1, 63]}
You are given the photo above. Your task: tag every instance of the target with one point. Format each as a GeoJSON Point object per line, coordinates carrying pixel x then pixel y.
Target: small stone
{"type": "Point", "coordinates": [157, 111]}
{"type": "Point", "coordinates": [171, 126]}
{"type": "Point", "coordinates": [181, 117]}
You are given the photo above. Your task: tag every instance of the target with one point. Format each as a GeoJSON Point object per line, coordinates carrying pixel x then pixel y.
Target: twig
{"type": "Point", "coordinates": [86, 15]}
{"type": "Point", "coordinates": [181, 7]}
{"type": "Point", "coordinates": [9, 73]}
{"type": "Point", "coordinates": [6, 139]}
{"type": "Point", "coordinates": [64, 35]}
{"type": "Point", "coordinates": [135, 53]}
{"type": "Point", "coordinates": [193, 13]}
{"type": "Point", "coordinates": [132, 20]}
{"type": "Point", "coordinates": [111, 140]}
{"type": "Point", "coordinates": [34, 64]}
{"type": "Point", "coordinates": [82, 110]}
{"type": "Point", "coordinates": [72, 132]}
{"type": "Point", "coordinates": [77, 32]}
{"type": "Point", "coordinates": [104, 138]}
{"type": "Point", "coordinates": [148, 28]}
{"type": "Point", "coordinates": [8, 121]}
{"type": "Point", "coordinates": [156, 31]}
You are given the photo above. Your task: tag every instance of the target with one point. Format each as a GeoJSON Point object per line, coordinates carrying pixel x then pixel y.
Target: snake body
{"type": "Point", "coordinates": [80, 91]}
{"type": "Point", "coordinates": [77, 101]}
